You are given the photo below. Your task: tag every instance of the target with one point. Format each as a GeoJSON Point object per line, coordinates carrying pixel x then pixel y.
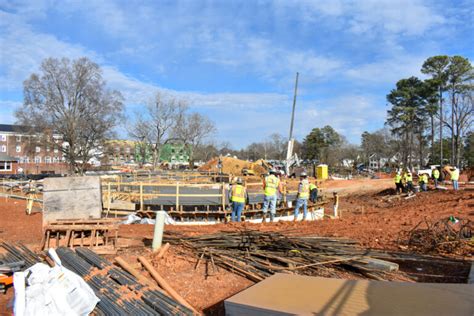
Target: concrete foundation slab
{"type": "Point", "coordinates": [284, 294]}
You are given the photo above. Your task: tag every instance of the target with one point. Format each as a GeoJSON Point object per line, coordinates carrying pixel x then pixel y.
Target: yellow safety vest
{"type": "Point", "coordinates": [312, 187]}
{"type": "Point", "coordinates": [455, 175]}
{"type": "Point", "coordinates": [238, 193]}
{"type": "Point", "coordinates": [398, 178]}
{"type": "Point", "coordinates": [425, 178]}
{"type": "Point", "coordinates": [436, 173]}
{"type": "Point", "coordinates": [271, 185]}
{"type": "Point", "coordinates": [303, 190]}
{"type": "Point", "coordinates": [408, 178]}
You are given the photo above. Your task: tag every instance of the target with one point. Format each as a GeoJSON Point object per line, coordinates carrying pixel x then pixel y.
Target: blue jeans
{"type": "Point", "coordinates": [424, 187]}
{"type": "Point", "coordinates": [269, 201]}
{"type": "Point", "coordinates": [436, 182]}
{"type": "Point", "coordinates": [300, 203]}
{"type": "Point", "coordinates": [237, 208]}
{"type": "Point", "coordinates": [455, 185]}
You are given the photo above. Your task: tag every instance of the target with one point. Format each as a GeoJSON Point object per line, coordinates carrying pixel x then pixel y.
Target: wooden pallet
{"type": "Point", "coordinates": [100, 235]}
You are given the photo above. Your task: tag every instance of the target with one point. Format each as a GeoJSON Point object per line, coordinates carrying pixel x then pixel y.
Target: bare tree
{"type": "Point", "coordinates": [140, 131]}
{"type": "Point", "coordinates": [192, 131]}
{"type": "Point", "coordinates": [70, 98]}
{"type": "Point", "coordinates": [157, 124]}
{"type": "Point", "coordinates": [461, 123]}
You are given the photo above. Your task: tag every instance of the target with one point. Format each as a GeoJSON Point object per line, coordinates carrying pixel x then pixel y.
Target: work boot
{"type": "Point", "coordinates": [272, 217]}
{"type": "Point", "coordinates": [264, 217]}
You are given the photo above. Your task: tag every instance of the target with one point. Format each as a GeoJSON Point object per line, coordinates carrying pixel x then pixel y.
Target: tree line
{"type": "Point", "coordinates": [430, 121]}
{"type": "Point", "coordinates": [443, 103]}
{"type": "Point", "coordinates": [70, 98]}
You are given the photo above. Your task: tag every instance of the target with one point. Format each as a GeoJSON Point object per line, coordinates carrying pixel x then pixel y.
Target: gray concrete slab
{"type": "Point", "coordinates": [284, 294]}
{"type": "Point", "coordinates": [71, 198]}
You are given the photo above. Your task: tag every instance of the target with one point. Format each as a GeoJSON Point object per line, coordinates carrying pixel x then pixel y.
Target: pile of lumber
{"type": "Point", "coordinates": [257, 255]}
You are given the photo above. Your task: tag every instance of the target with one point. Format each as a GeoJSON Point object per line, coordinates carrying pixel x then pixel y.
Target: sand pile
{"type": "Point", "coordinates": [232, 166]}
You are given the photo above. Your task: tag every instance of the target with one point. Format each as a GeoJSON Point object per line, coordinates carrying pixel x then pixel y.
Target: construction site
{"type": "Point", "coordinates": [236, 158]}
{"type": "Point", "coordinates": [104, 228]}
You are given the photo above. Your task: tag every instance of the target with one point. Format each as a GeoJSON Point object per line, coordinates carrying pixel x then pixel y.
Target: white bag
{"type": "Point", "coordinates": [57, 291]}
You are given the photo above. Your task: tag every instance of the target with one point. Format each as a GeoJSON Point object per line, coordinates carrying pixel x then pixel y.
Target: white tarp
{"type": "Point", "coordinates": [315, 215]}
{"type": "Point", "coordinates": [53, 291]}
{"type": "Point", "coordinates": [135, 219]}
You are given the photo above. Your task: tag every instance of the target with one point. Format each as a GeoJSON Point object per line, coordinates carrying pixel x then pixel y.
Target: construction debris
{"type": "Point", "coordinates": [449, 235]}
{"type": "Point", "coordinates": [257, 255]}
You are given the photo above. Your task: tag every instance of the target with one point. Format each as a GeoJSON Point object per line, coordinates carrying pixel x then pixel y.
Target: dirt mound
{"type": "Point", "coordinates": [232, 166]}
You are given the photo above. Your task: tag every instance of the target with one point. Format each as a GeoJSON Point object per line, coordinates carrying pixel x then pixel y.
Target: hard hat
{"type": "Point", "coordinates": [239, 181]}
{"type": "Point", "coordinates": [303, 174]}
{"type": "Point", "coordinates": [272, 171]}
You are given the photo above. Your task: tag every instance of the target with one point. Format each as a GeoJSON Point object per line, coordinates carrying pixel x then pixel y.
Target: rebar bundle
{"type": "Point", "coordinates": [119, 292]}
{"type": "Point", "coordinates": [18, 253]}
{"type": "Point", "coordinates": [257, 255]}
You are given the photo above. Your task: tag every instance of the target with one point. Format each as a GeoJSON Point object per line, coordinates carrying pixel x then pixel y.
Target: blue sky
{"type": "Point", "coordinates": [235, 61]}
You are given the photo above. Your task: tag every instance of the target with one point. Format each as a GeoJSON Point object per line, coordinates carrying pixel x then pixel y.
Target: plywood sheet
{"type": "Point", "coordinates": [71, 198]}
{"type": "Point", "coordinates": [284, 294]}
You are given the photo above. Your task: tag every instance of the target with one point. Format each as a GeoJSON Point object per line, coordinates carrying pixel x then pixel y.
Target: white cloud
{"type": "Point", "coordinates": [387, 70]}
{"type": "Point", "coordinates": [22, 50]}
{"type": "Point", "coordinates": [263, 57]}
{"type": "Point", "coordinates": [407, 17]}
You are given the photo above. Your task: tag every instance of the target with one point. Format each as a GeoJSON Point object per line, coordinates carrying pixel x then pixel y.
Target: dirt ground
{"type": "Point", "coordinates": [369, 215]}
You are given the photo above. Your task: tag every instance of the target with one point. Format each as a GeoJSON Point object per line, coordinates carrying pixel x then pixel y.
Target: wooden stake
{"type": "Point", "coordinates": [163, 250]}
{"type": "Point", "coordinates": [165, 285]}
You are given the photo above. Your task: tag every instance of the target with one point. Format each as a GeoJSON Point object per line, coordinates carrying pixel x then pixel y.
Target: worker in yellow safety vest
{"type": "Point", "coordinates": [238, 197]}
{"type": "Point", "coordinates": [408, 181]}
{"type": "Point", "coordinates": [303, 196]}
{"type": "Point", "coordinates": [271, 188]}
{"type": "Point", "coordinates": [423, 181]}
{"type": "Point", "coordinates": [313, 192]}
{"type": "Point", "coordinates": [455, 177]}
{"type": "Point", "coordinates": [398, 182]}
{"type": "Point", "coordinates": [435, 176]}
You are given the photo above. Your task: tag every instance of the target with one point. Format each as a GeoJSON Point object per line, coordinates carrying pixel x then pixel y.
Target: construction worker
{"type": "Point", "coordinates": [313, 192]}
{"type": "Point", "coordinates": [271, 187]}
{"type": "Point", "coordinates": [336, 204]}
{"type": "Point", "coordinates": [423, 181]}
{"type": "Point", "coordinates": [303, 196]}
{"type": "Point", "coordinates": [398, 183]}
{"type": "Point", "coordinates": [455, 177]}
{"type": "Point", "coordinates": [238, 198]}
{"type": "Point", "coordinates": [435, 176]}
{"type": "Point", "coordinates": [408, 181]}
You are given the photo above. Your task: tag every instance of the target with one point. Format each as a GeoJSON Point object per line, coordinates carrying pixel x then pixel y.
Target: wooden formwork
{"type": "Point", "coordinates": [100, 234]}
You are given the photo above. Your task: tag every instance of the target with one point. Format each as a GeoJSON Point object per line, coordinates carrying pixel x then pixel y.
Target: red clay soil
{"type": "Point", "coordinates": [202, 290]}
{"type": "Point", "coordinates": [369, 219]}
{"type": "Point", "coordinates": [16, 225]}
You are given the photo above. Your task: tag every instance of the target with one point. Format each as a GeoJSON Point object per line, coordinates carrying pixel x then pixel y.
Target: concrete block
{"type": "Point", "coordinates": [71, 198]}
{"type": "Point", "coordinates": [285, 294]}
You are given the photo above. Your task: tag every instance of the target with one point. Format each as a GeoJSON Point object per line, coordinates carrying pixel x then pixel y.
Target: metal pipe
{"type": "Point", "coordinates": [159, 227]}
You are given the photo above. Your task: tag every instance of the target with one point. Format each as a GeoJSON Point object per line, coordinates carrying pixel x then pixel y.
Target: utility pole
{"type": "Point", "coordinates": [289, 152]}
{"type": "Point", "coordinates": [294, 105]}
{"type": "Point", "coordinates": [441, 127]}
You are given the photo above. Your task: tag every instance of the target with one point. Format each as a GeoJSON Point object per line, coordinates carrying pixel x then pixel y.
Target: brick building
{"type": "Point", "coordinates": [34, 154]}
{"type": "Point", "coordinates": [118, 152]}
